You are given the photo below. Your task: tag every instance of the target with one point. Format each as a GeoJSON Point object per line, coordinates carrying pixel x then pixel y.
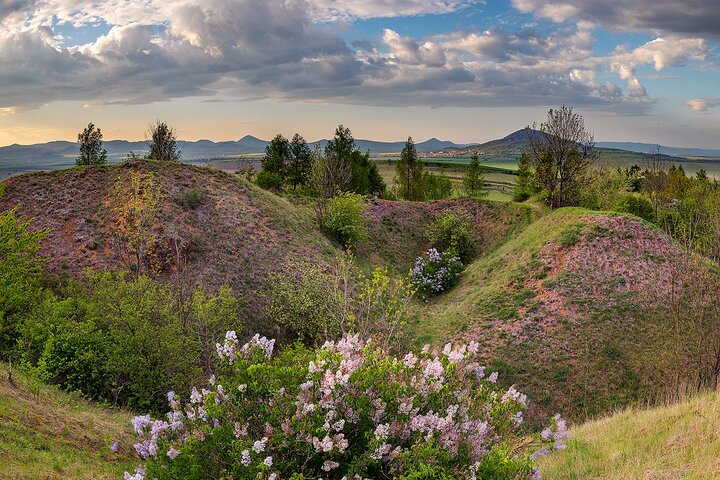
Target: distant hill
{"type": "Point", "coordinates": [672, 151]}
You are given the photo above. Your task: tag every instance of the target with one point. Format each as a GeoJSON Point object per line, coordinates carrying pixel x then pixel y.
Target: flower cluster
{"type": "Point", "coordinates": [347, 410]}
{"type": "Point", "coordinates": [436, 273]}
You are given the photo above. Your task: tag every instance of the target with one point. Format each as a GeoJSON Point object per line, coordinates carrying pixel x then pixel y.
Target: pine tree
{"type": "Point", "coordinates": [409, 173]}
{"type": "Point", "coordinates": [91, 151]}
{"type": "Point", "coordinates": [299, 162]}
{"type": "Point", "coordinates": [474, 182]}
{"type": "Point", "coordinates": [524, 184]}
{"type": "Point", "coordinates": [277, 156]}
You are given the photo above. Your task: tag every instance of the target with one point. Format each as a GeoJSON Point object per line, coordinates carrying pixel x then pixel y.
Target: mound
{"type": "Point", "coordinates": [229, 232]}
{"type": "Point", "coordinates": [674, 442]}
{"type": "Point", "coordinates": [396, 230]}
{"type": "Point", "coordinates": [47, 434]}
{"type": "Point", "coordinates": [577, 310]}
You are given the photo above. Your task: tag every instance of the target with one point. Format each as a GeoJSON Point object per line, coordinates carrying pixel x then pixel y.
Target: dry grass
{"type": "Point", "coordinates": [680, 441]}
{"type": "Point", "coordinates": [48, 434]}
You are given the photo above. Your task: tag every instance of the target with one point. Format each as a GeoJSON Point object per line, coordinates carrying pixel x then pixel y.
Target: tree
{"type": "Point", "coordinates": [20, 268]}
{"type": "Point", "coordinates": [133, 208]}
{"type": "Point", "coordinates": [277, 156]}
{"type": "Point", "coordinates": [409, 173]}
{"type": "Point", "coordinates": [329, 176]}
{"type": "Point", "coordinates": [163, 145]}
{"type": "Point", "coordinates": [436, 187]}
{"type": "Point", "coordinates": [91, 151]}
{"type": "Point", "coordinates": [562, 153]}
{"type": "Point", "coordinates": [525, 182]}
{"type": "Point", "coordinates": [299, 162]}
{"type": "Point", "coordinates": [365, 177]}
{"type": "Point", "coordinates": [473, 181]}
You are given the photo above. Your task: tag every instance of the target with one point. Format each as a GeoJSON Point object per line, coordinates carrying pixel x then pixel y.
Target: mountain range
{"type": "Point", "coordinates": [59, 154]}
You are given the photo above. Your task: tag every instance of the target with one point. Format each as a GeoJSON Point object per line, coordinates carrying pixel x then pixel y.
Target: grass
{"type": "Point", "coordinates": [47, 434]}
{"type": "Point", "coordinates": [680, 441]}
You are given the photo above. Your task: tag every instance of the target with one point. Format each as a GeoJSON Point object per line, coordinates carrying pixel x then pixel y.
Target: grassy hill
{"type": "Point", "coordinates": [680, 441]}
{"type": "Point", "coordinates": [47, 434]}
{"type": "Point", "coordinates": [235, 234]}
{"type": "Point", "coordinates": [572, 310]}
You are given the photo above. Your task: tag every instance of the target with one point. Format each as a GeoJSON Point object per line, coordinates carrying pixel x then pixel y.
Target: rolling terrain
{"type": "Point", "coordinates": [573, 310]}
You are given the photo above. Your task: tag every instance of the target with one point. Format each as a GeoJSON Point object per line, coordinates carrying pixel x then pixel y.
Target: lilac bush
{"type": "Point", "coordinates": [347, 410]}
{"type": "Point", "coordinates": [436, 273]}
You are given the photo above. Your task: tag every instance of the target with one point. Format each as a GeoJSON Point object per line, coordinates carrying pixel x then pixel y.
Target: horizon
{"type": "Point", "coordinates": [465, 70]}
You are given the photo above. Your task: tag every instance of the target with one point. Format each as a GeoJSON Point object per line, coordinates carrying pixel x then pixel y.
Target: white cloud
{"type": "Point", "coordinates": [703, 104]}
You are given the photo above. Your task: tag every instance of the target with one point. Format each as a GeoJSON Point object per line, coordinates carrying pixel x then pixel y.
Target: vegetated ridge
{"type": "Point", "coordinates": [574, 310]}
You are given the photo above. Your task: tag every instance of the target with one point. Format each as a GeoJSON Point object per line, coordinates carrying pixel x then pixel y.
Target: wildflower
{"type": "Point", "coordinates": [114, 446]}
{"type": "Point", "coordinates": [268, 461]}
{"type": "Point", "coordinates": [259, 445]}
{"type": "Point", "coordinates": [329, 465]}
{"type": "Point", "coordinates": [246, 460]}
{"type": "Point", "coordinates": [172, 453]}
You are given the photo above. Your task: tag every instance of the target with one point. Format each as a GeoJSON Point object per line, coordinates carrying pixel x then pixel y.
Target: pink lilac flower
{"type": "Point", "coordinates": [172, 453]}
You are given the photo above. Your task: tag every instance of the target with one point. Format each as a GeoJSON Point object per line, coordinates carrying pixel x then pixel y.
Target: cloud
{"type": "Point", "coordinates": [364, 9]}
{"type": "Point", "coordinates": [688, 18]}
{"type": "Point", "coordinates": [703, 104]}
{"type": "Point", "coordinates": [157, 50]}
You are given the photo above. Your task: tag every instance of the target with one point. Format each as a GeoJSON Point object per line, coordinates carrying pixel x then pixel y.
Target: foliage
{"type": "Point", "coordinates": [437, 273]}
{"type": "Point", "coordinates": [268, 180]}
{"type": "Point", "coordinates": [347, 409]}
{"type": "Point", "coordinates": [364, 176]}
{"type": "Point", "coordinates": [163, 143]}
{"type": "Point", "coordinates": [344, 219]}
{"type": "Point", "coordinates": [562, 153]}
{"type": "Point", "coordinates": [191, 198]}
{"type": "Point", "coordinates": [473, 180]}
{"type": "Point", "coordinates": [91, 151]}
{"type": "Point", "coordinates": [20, 267]}
{"type": "Point", "coordinates": [637, 205]}
{"type": "Point", "coordinates": [301, 303]}
{"type": "Point", "coordinates": [124, 342]}
{"type": "Point", "coordinates": [313, 306]}
{"type": "Point", "coordinates": [451, 233]}
{"type": "Point", "coordinates": [277, 154]}
{"type": "Point", "coordinates": [437, 187]}
{"type": "Point", "coordinates": [604, 188]}
{"type": "Point", "coordinates": [132, 207]}
{"type": "Point", "coordinates": [409, 173]}
{"type": "Point", "coordinates": [525, 183]}
{"type": "Point", "coordinates": [297, 170]}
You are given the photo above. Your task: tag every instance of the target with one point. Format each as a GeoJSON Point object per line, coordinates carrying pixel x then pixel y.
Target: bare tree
{"type": "Point", "coordinates": [562, 152]}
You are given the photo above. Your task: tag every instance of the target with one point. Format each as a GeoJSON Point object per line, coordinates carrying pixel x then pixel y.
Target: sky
{"type": "Point", "coordinates": [460, 70]}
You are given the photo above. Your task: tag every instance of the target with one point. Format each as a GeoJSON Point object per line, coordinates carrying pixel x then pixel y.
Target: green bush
{"type": "Point", "coordinates": [344, 219]}
{"type": "Point", "coordinates": [191, 198]}
{"type": "Point", "coordinates": [268, 180]}
{"type": "Point", "coordinates": [125, 342]}
{"type": "Point", "coordinates": [451, 233]}
{"type": "Point", "coordinates": [346, 410]}
{"type": "Point", "coordinates": [637, 205]}
{"type": "Point", "coordinates": [437, 187]}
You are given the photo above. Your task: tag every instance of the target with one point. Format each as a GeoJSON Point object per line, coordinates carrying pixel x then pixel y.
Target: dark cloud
{"type": "Point", "coordinates": [699, 18]}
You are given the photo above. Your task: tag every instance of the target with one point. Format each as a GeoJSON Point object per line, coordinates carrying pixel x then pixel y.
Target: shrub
{"type": "Point", "coordinates": [346, 410]}
{"type": "Point", "coordinates": [191, 198]}
{"type": "Point", "coordinates": [520, 195]}
{"type": "Point", "coordinates": [125, 342]}
{"type": "Point", "coordinates": [437, 273]}
{"type": "Point", "coordinates": [451, 232]}
{"type": "Point", "coordinates": [437, 187]}
{"type": "Point", "coordinates": [344, 219]}
{"type": "Point", "coordinates": [268, 180]}
{"type": "Point", "coordinates": [637, 205]}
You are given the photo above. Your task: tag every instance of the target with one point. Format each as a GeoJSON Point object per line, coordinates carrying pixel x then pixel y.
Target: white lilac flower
{"type": "Point", "coordinates": [268, 461]}
{"type": "Point", "coordinates": [329, 465]}
{"type": "Point", "coordinates": [172, 453]}
{"type": "Point", "coordinates": [246, 460]}
{"type": "Point", "coordinates": [114, 446]}
{"type": "Point", "coordinates": [259, 445]}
